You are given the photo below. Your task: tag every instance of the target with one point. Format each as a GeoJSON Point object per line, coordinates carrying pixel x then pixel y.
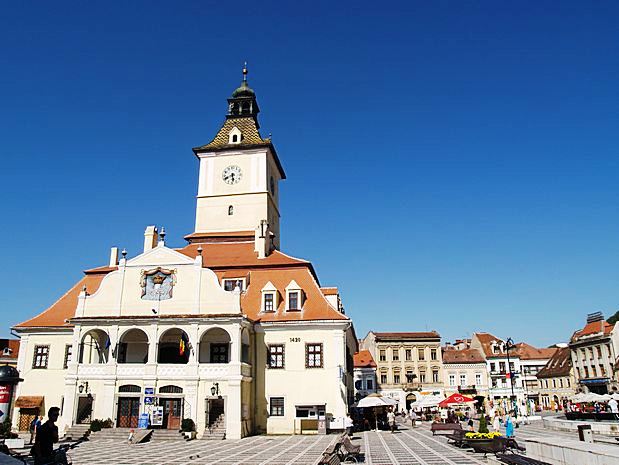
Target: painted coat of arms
{"type": "Point", "coordinates": [157, 284]}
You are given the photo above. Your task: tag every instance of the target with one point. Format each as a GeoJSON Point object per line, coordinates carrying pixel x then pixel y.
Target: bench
{"type": "Point", "coordinates": [517, 459]}
{"type": "Point", "coordinates": [329, 459]}
{"type": "Point", "coordinates": [435, 427]}
{"type": "Point", "coordinates": [348, 451]}
{"type": "Point", "coordinates": [457, 437]}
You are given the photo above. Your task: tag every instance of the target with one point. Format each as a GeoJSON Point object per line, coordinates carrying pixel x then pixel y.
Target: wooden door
{"type": "Point", "coordinates": [214, 409]}
{"type": "Point", "coordinates": [128, 412]}
{"type": "Point", "coordinates": [172, 413]}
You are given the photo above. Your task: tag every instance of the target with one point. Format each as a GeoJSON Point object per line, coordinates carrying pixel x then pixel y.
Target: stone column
{"type": "Point", "coordinates": [233, 409]}
{"type": "Point", "coordinates": [105, 400]}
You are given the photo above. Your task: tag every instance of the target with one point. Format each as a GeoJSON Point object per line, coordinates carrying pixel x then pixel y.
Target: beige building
{"type": "Point", "coordinates": [364, 374]}
{"type": "Point", "coordinates": [594, 352]}
{"type": "Point", "coordinates": [556, 380]}
{"type": "Point", "coordinates": [226, 330]}
{"type": "Point", "coordinates": [465, 372]}
{"type": "Point", "coordinates": [408, 364]}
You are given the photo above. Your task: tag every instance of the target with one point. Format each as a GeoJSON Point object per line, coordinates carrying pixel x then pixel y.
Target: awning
{"type": "Point", "coordinates": [29, 401]}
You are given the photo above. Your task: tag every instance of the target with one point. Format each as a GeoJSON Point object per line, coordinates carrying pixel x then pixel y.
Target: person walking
{"type": "Point", "coordinates": [46, 436]}
{"type": "Point", "coordinates": [614, 407]}
{"type": "Point", "coordinates": [509, 425]}
{"type": "Point", "coordinates": [34, 424]}
{"type": "Point", "coordinates": [413, 416]}
{"type": "Point", "coordinates": [496, 423]}
{"type": "Point", "coordinates": [348, 424]}
{"type": "Point", "coordinates": [391, 420]}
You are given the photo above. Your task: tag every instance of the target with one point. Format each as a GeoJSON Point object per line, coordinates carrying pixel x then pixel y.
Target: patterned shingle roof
{"type": "Point", "coordinates": [249, 131]}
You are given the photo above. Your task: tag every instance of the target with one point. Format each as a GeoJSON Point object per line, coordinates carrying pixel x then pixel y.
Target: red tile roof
{"type": "Point", "coordinates": [415, 335]}
{"type": "Point", "coordinates": [463, 356]}
{"type": "Point", "coordinates": [559, 365]}
{"type": "Point", "coordinates": [227, 260]}
{"type": "Point", "coordinates": [594, 327]}
{"type": "Point", "coordinates": [364, 359]}
{"type": "Point", "coordinates": [528, 352]}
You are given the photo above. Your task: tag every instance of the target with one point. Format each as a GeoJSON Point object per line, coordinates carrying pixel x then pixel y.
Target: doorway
{"type": "Point", "coordinates": [215, 407]}
{"type": "Point", "coordinates": [84, 410]}
{"type": "Point", "coordinates": [26, 415]}
{"type": "Point", "coordinates": [172, 413]}
{"type": "Point", "coordinates": [128, 412]}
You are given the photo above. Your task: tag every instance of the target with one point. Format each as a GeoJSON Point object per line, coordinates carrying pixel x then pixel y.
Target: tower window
{"type": "Point", "coordinates": [231, 209]}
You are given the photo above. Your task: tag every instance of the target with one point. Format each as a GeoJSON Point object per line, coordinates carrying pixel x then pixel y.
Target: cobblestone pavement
{"type": "Point", "coordinates": [406, 447]}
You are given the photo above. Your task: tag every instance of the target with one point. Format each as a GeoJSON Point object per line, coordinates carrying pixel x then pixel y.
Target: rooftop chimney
{"type": "Point", "coordinates": [593, 317]}
{"type": "Point", "coordinates": [114, 256]}
{"type": "Point", "coordinates": [150, 238]}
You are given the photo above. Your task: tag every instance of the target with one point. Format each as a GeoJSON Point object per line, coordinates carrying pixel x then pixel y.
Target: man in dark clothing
{"type": "Point", "coordinates": [47, 435]}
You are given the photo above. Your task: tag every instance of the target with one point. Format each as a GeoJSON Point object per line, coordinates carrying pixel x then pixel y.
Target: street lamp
{"type": "Point", "coordinates": [215, 389]}
{"type": "Point", "coordinates": [509, 344]}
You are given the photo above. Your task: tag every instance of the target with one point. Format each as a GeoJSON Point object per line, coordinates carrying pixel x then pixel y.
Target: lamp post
{"type": "Point", "coordinates": [509, 344]}
{"type": "Point", "coordinates": [215, 389]}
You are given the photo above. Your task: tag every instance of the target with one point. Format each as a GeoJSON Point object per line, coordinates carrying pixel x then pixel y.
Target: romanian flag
{"type": "Point", "coordinates": [182, 344]}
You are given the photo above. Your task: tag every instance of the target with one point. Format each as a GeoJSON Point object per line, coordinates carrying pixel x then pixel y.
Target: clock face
{"type": "Point", "coordinates": [232, 174]}
{"type": "Point", "coordinates": [272, 185]}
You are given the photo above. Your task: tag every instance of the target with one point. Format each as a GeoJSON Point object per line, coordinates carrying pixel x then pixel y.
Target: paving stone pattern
{"type": "Point", "coordinates": [406, 447]}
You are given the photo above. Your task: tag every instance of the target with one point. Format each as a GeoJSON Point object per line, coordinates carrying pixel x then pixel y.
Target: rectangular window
{"type": "Point", "coordinates": [369, 384]}
{"type": "Point", "coordinates": [492, 367]}
{"type": "Point", "coordinates": [602, 371]}
{"type": "Point", "coordinates": [422, 377]}
{"type": "Point", "coordinates": [433, 354]}
{"type": "Point", "coordinates": [567, 380]}
{"type": "Point", "coordinates": [231, 284]}
{"type": "Point", "coordinates": [409, 376]}
{"type": "Point", "coordinates": [502, 367]}
{"type": "Point", "coordinates": [408, 355]}
{"type": "Point", "coordinates": [395, 354]}
{"type": "Point", "coordinates": [435, 376]}
{"type": "Point", "coordinates": [477, 379]}
{"type": "Point", "coordinates": [452, 380]}
{"type": "Point", "coordinates": [560, 382]}
{"type": "Point", "coordinates": [268, 302]}
{"type": "Point", "coordinates": [383, 378]}
{"type": "Point", "coordinates": [313, 355]}
{"type": "Point", "coordinates": [396, 378]}
{"type": "Point", "coordinates": [276, 407]}
{"type": "Point", "coordinates": [599, 349]}
{"type": "Point", "coordinates": [595, 371]}
{"type": "Point", "coordinates": [293, 301]}
{"type": "Point", "coordinates": [462, 379]}
{"type": "Point", "coordinates": [276, 356]}
{"type": "Point", "coordinates": [422, 355]}
{"type": "Point", "coordinates": [511, 367]}
{"type": "Point", "coordinates": [586, 372]}
{"type": "Point", "coordinates": [382, 356]}
{"type": "Point", "coordinates": [68, 349]}
{"type": "Point", "coordinates": [41, 356]}
{"type": "Point", "coordinates": [554, 383]}
{"type": "Point", "coordinates": [219, 353]}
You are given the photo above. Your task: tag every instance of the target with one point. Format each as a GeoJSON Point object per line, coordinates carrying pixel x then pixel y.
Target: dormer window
{"type": "Point", "coordinates": [235, 136]}
{"type": "Point", "coordinates": [294, 296]}
{"type": "Point", "coordinates": [231, 284]}
{"type": "Point", "coordinates": [7, 351]}
{"type": "Point", "coordinates": [269, 298]}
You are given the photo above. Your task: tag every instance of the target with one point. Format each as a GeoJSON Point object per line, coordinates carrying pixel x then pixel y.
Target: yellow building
{"type": "Point", "coordinates": [226, 330]}
{"type": "Point", "coordinates": [409, 364]}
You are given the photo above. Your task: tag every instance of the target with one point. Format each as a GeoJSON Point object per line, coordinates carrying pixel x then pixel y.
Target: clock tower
{"type": "Point", "coordinates": [238, 185]}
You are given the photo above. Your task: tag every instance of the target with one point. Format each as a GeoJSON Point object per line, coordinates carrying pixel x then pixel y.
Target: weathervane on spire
{"type": "Point", "coordinates": [245, 72]}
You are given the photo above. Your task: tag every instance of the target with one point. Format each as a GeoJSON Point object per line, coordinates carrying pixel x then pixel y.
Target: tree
{"type": "Point", "coordinates": [483, 427]}
{"type": "Point", "coordinates": [613, 319]}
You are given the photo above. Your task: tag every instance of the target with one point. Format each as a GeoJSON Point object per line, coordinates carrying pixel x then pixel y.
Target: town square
{"type": "Point", "coordinates": [275, 234]}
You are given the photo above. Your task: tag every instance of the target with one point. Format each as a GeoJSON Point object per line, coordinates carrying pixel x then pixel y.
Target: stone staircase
{"type": "Point", "coordinates": [76, 431]}
{"type": "Point", "coordinates": [118, 434]}
{"type": "Point", "coordinates": [167, 435]}
{"type": "Point", "coordinates": [217, 431]}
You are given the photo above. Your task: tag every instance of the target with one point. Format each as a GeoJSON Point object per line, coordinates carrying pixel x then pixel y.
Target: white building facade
{"type": "Point", "coordinates": [226, 331]}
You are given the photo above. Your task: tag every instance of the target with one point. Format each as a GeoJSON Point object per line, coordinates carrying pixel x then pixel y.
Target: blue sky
{"type": "Point", "coordinates": [451, 165]}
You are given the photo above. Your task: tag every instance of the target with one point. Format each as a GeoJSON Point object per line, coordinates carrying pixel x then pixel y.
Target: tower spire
{"type": "Point", "coordinates": [245, 72]}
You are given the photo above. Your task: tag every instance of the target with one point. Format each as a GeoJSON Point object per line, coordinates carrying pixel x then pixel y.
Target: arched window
{"type": "Point", "coordinates": [230, 210]}
{"type": "Point", "coordinates": [174, 347]}
{"type": "Point", "coordinates": [132, 347]}
{"type": "Point", "coordinates": [170, 389]}
{"type": "Point", "coordinates": [214, 346]}
{"type": "Point", "coordinates": [129, 388]}
{"type": "Point", "coordinates": [95, 347]}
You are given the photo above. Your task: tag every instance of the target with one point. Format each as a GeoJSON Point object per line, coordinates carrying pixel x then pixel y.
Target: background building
{"type": "Point", "coordinates": [532, 360]}
{"type": "Point", "coordinates": [465, 372]}
{"type": "Point", "coordinates": [556, 380]}
{"type": "Point", "coordinates": [408, 364]}
{"type": "Point", "coordinates": [594, 350]}
{"type": "Point", "coordinates": [364, 374]}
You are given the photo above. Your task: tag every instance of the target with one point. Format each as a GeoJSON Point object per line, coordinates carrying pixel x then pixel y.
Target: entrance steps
{"type": "Point", "coordinates": [112, 433]}
{"type": "Point", "coordinates": [75, 432]}
{"type": "Point", "coordinates": [167, 435]}
{"type": "Point", "coordinates": [217, 431]}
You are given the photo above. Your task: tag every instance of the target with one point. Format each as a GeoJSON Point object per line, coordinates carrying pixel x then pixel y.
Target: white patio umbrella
{"type": "Point", "coordinates": [580, 397]}
{"type": "Point", "coordinates": [374, 401]}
